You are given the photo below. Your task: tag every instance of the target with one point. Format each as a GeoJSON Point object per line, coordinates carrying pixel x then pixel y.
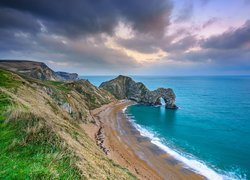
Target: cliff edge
{"type": "Point", "coordinates": [37, 70]}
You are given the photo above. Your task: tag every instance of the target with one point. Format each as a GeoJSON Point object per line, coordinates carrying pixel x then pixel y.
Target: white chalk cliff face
{"type": "Point", "coordinates": [124, 87]}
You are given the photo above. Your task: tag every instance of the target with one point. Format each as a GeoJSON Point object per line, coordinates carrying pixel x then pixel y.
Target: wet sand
{"type": "Point", "coordinates": [131, 150]}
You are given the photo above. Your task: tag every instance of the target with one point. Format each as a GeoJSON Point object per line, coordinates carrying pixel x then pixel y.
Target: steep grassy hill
{"type": "Point", "coordinates": [40, 134]}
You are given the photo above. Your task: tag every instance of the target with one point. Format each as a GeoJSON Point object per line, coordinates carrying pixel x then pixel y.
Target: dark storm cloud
{"type": "Point", "coordinates": [94, 16]}
{"type": "Point", "coordinates": [8, 41]}
{"type": "Point", "coordinates": [49, 30]}
{"type": "Point", "coordinates": [231, 39]}
{"type": "Point", "coordinates": [15, 20]}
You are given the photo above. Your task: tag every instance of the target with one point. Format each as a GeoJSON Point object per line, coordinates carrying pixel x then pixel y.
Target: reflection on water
{"type": "Point", "coordinates": [162, 112]}
{"type": "Point", "coordinates": [167, 116]}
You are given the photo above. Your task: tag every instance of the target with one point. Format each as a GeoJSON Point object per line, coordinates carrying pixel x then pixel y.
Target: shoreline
{"type": "Point", "coordinates": [126, 146]}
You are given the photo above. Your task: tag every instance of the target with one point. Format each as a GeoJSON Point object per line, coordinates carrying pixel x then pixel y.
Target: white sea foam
{"type": "Point", "coordinates": [191, 163]}
{"type": "Point", "coordinates": [124, 109]}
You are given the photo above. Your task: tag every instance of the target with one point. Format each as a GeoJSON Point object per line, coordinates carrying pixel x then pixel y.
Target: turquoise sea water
{"type": "Point", "coordinates": [210, 132]}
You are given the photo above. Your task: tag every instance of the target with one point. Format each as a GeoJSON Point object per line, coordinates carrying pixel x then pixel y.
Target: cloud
{"type": "Point", "coordinates": [210, 22]}
{"type": "Point", "coordinates": [181, 40]}
{"type": "Point", "coordinates": [231, 39]}
{"type": "Point", "coordinates": [58, 63]}
{"type": "Point", "coordinates": [185, 13]}
{"type": "Point", "coordinates": [117, 36]}
{"type": "Point", "coordinates": [226, 52]}
{"type": "Point", "coordinates": [15, 20]}
{"type": "Point", "coordinates": [78, 17]}
{"type": "Point", "coordinates": [182, 44]}
{"type": "Point", "coordinates": [215, 56]}
{"type": "Point", "coordinates": [141, 43]}
{"type": "Point", "coordinates": [77, 32]}
{"type": "Point", "coordinates": [89, 53]}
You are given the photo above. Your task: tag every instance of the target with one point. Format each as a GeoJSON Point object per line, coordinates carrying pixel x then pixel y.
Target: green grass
{"type": "Point", "coordinates": [131, 176]}
{"type": "Point", "coordinates": [59, 85]}
{"type": "Point", "coordinates": [8, 80]}
{"type": "Point", "coordinates": [32, 155]}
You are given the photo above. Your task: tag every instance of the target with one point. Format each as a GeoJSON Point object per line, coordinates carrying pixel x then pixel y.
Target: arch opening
{"type": "Point", "coordinates": [162, 101]}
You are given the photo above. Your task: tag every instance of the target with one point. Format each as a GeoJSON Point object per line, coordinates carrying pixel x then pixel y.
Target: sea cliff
{"type": "Point", "coordinates": [124, 87]}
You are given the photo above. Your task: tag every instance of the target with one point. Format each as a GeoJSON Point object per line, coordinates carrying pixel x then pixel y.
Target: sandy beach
{"type": "Point", "coordinates": [128, 148]}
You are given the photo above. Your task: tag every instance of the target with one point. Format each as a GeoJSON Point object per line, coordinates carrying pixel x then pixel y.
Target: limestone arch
{"type": "Point", "coordinates": [161, 100]}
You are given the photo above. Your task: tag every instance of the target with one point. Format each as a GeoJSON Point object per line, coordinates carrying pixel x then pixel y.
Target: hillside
{"type": "Point", "coordinates": [40, 128]}
{"type": "Point", "coordinates": [36, 70]}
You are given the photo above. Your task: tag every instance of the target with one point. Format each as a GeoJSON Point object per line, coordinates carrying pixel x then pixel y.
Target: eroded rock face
{"type": "Point", "coordinates": [168, 96]}
{"type": "Point", "coordinates": [67, 76]}
{"type": "Point", "coordinates": [124, 87]}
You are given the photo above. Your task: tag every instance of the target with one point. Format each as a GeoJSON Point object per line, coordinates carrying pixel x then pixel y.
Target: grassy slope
{"type": "Point", "coordinates": [38, 141]}
{"type": "Point", "coordinates": [30, 155]}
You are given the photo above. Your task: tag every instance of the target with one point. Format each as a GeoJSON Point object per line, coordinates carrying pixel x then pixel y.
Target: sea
{"type": "Point", "coordinates": [209, 133]}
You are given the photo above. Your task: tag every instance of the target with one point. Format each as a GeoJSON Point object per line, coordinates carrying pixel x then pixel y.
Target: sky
{"type": "Point", "coordinates": [130, 37]}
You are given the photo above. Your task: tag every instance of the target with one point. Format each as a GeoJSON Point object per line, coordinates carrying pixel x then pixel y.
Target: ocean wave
{"type": "Point", "coordinates": [191, 163]}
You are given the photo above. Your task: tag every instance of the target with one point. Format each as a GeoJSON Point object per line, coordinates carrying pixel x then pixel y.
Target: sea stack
{"type": "Point", "coordinates": [123, 87]}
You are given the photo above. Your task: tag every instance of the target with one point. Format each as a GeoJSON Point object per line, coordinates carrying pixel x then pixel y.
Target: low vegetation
{"type": "Point", "coordinates": [41, 139]}
{"type": "Point", "coordinates": [59, 85]}
{"type": "Point", "coordinates": [28, 149]}
{"type": "Point", "coordinates": [8, 79]}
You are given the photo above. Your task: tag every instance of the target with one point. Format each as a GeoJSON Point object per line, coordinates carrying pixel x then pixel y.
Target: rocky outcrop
{"type": "Point", "coordinates": [100, 137]}
{"type": "Point", "coordinates": [153, 97]}
{"type": "Point", "coordinates": [37, 70]}
{"type": "Point", "coordinates": [124, 87]}
{"type": "Point", "coordinates": [67, 76]}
